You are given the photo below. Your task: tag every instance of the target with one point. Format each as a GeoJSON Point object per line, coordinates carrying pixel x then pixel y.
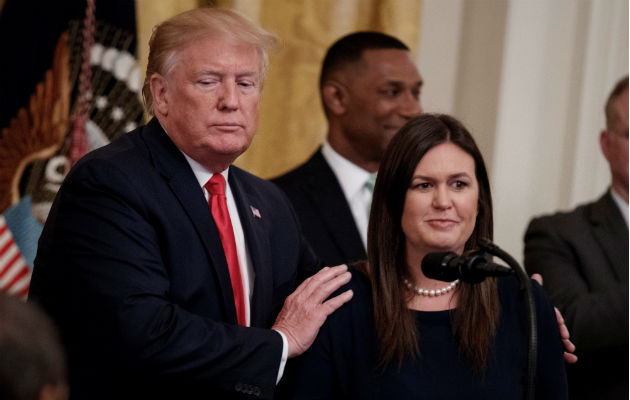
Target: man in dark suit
{"type": "Point", "coordinates": [369, 87]}
{"type": "Point", "coordinates": [163, 280]}
{"type": "Point", "coordinates": [583, 257]}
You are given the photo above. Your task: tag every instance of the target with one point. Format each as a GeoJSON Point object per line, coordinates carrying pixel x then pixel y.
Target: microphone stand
{"type": "Point", "coordinates": [532, 325]}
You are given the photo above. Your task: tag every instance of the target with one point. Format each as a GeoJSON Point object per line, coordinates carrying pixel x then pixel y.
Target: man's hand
{"type": "Point", "coordinates": [569, 347]}
{"type": "Point", "coordinates": [306, 309]}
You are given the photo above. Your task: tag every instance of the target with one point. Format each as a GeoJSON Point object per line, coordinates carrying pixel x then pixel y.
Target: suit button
{"type": "Point", "coordinates": [256, 391]}
{"type": "Point", "coordinates": [239, 387]}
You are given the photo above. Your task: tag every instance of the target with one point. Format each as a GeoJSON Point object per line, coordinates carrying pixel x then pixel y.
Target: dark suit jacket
{"type": "Point", "coordinates": [583, 258]}
{"type": "Point", "coordinates": [131, 268]}
{"type": "Point", "coordinates": [324, 213]}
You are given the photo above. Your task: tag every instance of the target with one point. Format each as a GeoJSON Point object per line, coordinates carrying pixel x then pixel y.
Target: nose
{"type": "Point", "coordinates": [410, 106]}
{"type": "Point", "coordinates": [228, 97]}
{"type": "Point", "coordinates": [441, 198]}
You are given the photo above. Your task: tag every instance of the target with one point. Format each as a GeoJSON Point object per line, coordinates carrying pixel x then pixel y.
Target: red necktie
{"type": "Point", "coordinates": [218, 207]}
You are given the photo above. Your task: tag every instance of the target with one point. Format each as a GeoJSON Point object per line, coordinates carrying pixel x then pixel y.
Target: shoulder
{"type": "Point", "coordinates": [509, 294]}
{"type": "Point", "coordinates": [562, 220]}
{"type": "Point", "coordinates": [258, 188]}
{"type": "Point", "coordinates": [360, 307]}
{"type": "Point", "coordinates": [130, 151]}
{"type": "Point", "coordinates": [360, 283]}
{"type": "Point", "coordinates": [117, 161]}
{"type": "Point", "coordinates": [312, 167]}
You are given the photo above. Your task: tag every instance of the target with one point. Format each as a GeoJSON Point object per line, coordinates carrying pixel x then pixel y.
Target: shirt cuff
{"type": "Point", "coordinates": [285, 353]}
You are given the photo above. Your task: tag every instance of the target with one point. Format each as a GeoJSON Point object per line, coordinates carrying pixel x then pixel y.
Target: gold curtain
{"type": "Point", "coordinates": [292, 122]}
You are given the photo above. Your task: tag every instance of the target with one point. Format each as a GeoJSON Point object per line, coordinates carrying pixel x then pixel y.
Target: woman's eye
{"type": "Point", "coordinates": [422, 185]}
{"type": "Point", "coordinates": [459, 184]}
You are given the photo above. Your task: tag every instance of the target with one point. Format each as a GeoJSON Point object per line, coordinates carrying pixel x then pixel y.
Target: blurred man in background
{"type": "Point", "coordinates": [583, 258]}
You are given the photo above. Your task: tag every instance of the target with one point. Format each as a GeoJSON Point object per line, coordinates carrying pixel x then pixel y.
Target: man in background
{"type": "Point", "coordinates": [32, 364]}
{"type": "Point", "coordinates": [369, 87]}
{"type": "Point", "coordinates": [583, 258]}
{"type": "Point", "coordinates": [165, 267]}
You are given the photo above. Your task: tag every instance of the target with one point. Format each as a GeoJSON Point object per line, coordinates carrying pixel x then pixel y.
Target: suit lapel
{"type": "Point", "coordinates": [177, 173]}
{"type": "Point", "coordinates": [612, 234]}
{"type": "Point", "coordinates": [333, 207]}
{"type": "Point", "coordinates": [248, 205]}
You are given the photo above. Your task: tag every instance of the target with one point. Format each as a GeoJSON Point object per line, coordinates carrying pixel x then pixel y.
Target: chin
{"type": "Point", "coordinates": [445, 246]}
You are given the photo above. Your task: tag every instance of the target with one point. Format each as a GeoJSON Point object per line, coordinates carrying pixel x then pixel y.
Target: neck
{"type": "Point", "coordinates": [621, 189]}
{"type": "Point", "coordinates": [350, 152]}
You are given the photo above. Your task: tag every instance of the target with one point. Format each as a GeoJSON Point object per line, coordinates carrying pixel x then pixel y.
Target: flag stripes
{"type": "Point", "coordinates": [15, 274]}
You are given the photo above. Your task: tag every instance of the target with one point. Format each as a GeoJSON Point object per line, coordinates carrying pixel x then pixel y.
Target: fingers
{"type": "Point", "coordinates": [538, 278]}
{"type": "Point", "coordinates": [564, 331]}
{"type": "Point", "coordinates": [332, 304]}
{"type": "Point", "coordinates": [569, 347]}
{"type": "Point", "coordinates": [570, 358]}
{"type": "Point", "coordinates": [306, 309]}
{"type": "Point", "coordinates": [562, 327]}
{"type": "Point", "coordinates": [321, 285]}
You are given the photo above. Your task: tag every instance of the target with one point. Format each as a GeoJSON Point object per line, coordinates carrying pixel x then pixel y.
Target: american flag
{"type": "Point", "coordinates": [255, 212]}
{"type": "Point", "coordinates": [15, 274]}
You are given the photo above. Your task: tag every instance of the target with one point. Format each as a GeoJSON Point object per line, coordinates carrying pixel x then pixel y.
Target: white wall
{"type": "Point", "coordinates": [530, 79]}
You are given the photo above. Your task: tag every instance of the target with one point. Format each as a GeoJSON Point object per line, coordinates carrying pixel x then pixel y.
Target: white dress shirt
{"type": "Point", "coordinates": [352, 180]}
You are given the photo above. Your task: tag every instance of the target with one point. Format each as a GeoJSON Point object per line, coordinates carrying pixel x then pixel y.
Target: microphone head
{"type": "Point", "coordinates": [442, 266]}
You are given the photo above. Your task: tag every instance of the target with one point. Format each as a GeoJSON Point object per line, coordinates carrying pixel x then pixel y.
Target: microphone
{"type": "Point", "coordinates": [471, 268]}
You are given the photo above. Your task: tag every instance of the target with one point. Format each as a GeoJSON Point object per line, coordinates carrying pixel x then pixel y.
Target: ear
{"type": "Point", "coordinates": [159, 87]}
{"type": "Point", "coordinates": [604, 143]}
{"type": "Point", "coordinates": [335, 97]}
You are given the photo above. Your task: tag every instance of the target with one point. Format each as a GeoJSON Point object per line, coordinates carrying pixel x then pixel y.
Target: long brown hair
{"type": "Point", "coordinates": [477, 314]}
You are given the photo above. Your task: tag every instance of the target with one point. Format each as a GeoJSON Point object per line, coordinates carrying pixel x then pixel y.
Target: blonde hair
{"type": "Point", "coordinates": [172, 35]}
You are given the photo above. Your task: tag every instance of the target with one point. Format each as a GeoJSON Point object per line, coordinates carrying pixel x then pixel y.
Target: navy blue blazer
{"type": "Point", "coordinates": [323, 210]}
{"type": "Point", "coordinates": [131, 268]}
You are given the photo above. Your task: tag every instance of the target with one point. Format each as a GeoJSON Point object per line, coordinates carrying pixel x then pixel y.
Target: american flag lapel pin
{"type": "Point", "coordinates": [255, 212]}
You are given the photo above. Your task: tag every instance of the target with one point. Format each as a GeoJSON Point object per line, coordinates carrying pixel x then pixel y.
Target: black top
{"type": "Point", "coordinates": [342, 361]}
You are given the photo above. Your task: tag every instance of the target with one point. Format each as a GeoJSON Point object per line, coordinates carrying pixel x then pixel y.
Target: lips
{"type": "Point", "coordinates": [442, 223]}
{"type": "Point", "coordinates": [228, 126]}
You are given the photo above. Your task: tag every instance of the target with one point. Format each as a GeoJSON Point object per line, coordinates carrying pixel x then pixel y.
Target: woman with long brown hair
{"type": "Point", "coordinates": [405, 335]}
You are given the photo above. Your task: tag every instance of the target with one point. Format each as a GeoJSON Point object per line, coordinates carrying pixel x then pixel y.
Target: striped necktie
{"type": "Point", "coordinates": [369, 185]}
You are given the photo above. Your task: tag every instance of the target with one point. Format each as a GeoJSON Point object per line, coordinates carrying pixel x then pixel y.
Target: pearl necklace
{"type": "Point", "coordinates": [430, 293]}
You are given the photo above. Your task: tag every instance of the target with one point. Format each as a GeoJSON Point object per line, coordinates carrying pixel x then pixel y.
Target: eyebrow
{"type": "Point", "coordinates": [401, 83]}
{"type": "Point", "coordinates": [218, 73]}
{"type": "Point", "coordinates": [450, 177]}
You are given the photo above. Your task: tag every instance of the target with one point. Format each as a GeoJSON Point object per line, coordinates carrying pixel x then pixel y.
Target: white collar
{"type": "Point", "coordinates": [351, 177]}
{"type": "Point", "coordinates": [202, 174]}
